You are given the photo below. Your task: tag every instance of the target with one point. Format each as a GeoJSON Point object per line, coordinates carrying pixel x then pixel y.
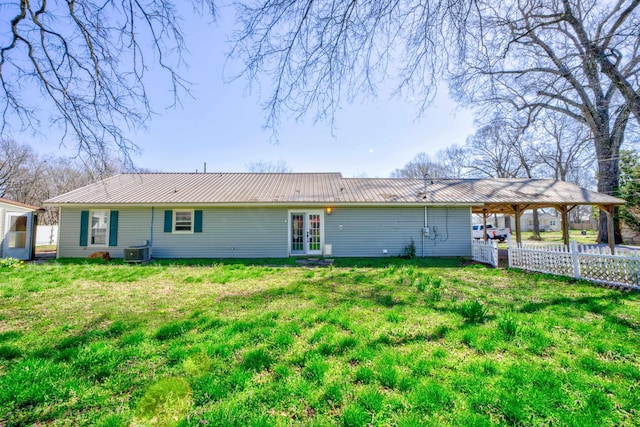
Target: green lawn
{"type": "Point", "coordinates": [556, 236]}
{"type": "Point", "coordinates": [366, 342]}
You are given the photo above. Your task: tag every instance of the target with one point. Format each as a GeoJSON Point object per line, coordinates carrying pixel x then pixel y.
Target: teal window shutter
{"type": "Point", "coordinates": [197, 221]}
{"type": "Point", "coordinates": [168, 221]}
{"type": "Point", "coordinates": [113, 228]}
{"type": "Point", "coordinates": [84, 227]}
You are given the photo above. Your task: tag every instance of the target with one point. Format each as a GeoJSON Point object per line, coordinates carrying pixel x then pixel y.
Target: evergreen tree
{"type": "Point", "coordinates": [629, 189]}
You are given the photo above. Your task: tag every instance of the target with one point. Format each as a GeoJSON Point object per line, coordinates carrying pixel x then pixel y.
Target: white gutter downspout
{"type": "Point", "coordinates": [58, 236]}
{"type": "Point", "coordinates": [424, 196]}
{"type": "Point", "coordinates": [424, 229]}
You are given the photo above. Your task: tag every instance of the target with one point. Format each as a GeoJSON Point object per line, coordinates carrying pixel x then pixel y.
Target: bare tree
{"type": "Point", "coordinates": [318, 53]}
{"type": "Point", "coordinates": [504, 148]}
{"type": "Point", "coordinates": [82, 65]}
{"type": "Point", "coordinates": [565, 149]}
{"type": "Point", "coordinates": [18, 163]}
{"type": "Point", "coordinates": [575, 57]}
{"type": "Point", "coordinates": [454, 159]}
{"type": "Point", "coordinates": [422, 165]}
{"type": "Point", "coordinates": [269, 167]}
{"type": "Point", "coordinates": [556, 56]}
{"type": "Point", "coordinates": [27, 177]}
{"type": "Point", "coordinates": [493, 150]}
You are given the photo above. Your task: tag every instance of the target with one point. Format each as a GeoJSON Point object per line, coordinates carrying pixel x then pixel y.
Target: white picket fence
{"type": "Point", "coordinates": [485, 252]}
{"type": "Point", "coordinates": [587, 262]}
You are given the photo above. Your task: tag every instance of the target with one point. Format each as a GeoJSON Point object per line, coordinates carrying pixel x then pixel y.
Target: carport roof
{"type": "Point", "coordinates": [488, 195]}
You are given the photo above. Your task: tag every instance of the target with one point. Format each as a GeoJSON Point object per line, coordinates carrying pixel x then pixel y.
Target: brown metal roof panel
{"type": "Point", "coordinates": [323, 188]}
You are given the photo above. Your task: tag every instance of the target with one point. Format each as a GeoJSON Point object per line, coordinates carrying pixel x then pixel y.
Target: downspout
{"type": "Point", "coordinates": [151, 234]}
{"type": "Point", "coordinates": [424, 230]}
{"type": "Point", "coordinates": [424, 196]}
{"type": "Point", "coordinates": [58, 235]}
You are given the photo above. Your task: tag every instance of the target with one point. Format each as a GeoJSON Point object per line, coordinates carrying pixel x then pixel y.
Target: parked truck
{"type": "Point", "coordinates": [500, 234]}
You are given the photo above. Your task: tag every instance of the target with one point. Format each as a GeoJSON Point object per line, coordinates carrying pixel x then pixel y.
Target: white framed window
{"type": "Point", "coordinates": [552, 222]}
{"type": "Point", "coordinates": [99, 228]}
{"type": "Point", "coordinates": [183, 221]}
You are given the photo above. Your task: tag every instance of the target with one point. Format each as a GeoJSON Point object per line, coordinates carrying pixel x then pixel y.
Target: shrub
{"type": "Point", "coordinates": [410, 250]}
{"type": "Point", "coordinates": [9, 263]}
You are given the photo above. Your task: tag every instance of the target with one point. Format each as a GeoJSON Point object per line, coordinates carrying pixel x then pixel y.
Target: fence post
{"type": "Point", "coordinates": [573, 250]}
{"type": "Point", "coordinates": [509, 248]}
{"type": "Point", "coordinates": [494, 253]}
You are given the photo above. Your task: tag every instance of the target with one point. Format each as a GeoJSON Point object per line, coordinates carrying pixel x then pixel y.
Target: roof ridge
{"type": "Point", "coordinates": [227, 173]}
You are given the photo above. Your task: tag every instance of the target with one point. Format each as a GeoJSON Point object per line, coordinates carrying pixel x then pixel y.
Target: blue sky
{"type": "Point", "coordinates": [222, 124]}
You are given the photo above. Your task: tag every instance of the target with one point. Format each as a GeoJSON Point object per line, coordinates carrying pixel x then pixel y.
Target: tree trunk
{"type": "Point", "coordinates": [536, 226]}
{"type": "Point", "coordinates": [608, 153]}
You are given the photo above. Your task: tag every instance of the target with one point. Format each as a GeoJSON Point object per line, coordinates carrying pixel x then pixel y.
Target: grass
{"type": "Point", "coordinates": [556, 236]}
{"type": "Point", "coordinates": [264, 343]}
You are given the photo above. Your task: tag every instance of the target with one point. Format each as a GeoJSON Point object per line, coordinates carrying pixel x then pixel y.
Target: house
{"type": "Point", "coordinates": [17, 229]}
{"type": "Point", "coordinates": [247, 215]}
{"type": "Point", "coordinates": [546, 221]}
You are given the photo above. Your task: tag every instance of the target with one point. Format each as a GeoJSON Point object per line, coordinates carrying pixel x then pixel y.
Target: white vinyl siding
{"type": "Point", "coordinates": [369, 232]}
{"type": "Point", "coordinates": [133, 230]}
{"type": "Point", "coordinates": [227, 233]}
{"type": "Point", "coordinates": [263, 232]}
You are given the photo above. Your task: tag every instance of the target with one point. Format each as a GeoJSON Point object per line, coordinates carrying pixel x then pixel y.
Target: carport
{"type": "Point", "coordinates": [514, 196]}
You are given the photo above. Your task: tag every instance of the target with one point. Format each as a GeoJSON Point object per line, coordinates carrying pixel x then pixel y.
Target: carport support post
{"type": "Point", "coordinates": [610, 230]}
{"type": "Point", "coordinates": [565, 225]}
{"type": "Point", "coordinates": [484, 225]}
{"type": "Point", "coordinates": [516, 209]}
{"type": "Point", "coordinates": [608, 209]}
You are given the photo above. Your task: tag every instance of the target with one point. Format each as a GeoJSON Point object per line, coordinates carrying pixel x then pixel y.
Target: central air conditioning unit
{"type": "Point", "coordinates": [136, 254]}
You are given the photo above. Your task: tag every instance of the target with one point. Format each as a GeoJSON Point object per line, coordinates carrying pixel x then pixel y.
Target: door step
{"type": "Point", "coordinates": [315, 262]}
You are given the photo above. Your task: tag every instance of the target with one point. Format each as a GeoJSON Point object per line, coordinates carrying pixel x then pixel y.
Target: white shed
{"type": "Point", "coordinates": [17, 229]}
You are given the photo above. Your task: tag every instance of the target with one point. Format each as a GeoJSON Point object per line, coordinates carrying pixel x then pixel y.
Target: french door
{"type": "Point", "coordinates": [306, 233]}
{"type": "Point", "coordinates": [17, 242]}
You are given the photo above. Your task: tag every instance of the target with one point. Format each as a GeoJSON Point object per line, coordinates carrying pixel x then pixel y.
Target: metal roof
{"type": "Point", "coordinates": [19, 204]}
{"type": "Point", "coordinates": [323, 188]}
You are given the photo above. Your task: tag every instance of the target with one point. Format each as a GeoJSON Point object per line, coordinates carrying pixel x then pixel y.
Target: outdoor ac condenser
{"type": "Point", "coordinates": [136, 254]}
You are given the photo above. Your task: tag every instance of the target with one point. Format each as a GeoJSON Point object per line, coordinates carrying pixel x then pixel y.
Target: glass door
{"type": "Point", "coordinates": [314, 244]}
{"type": "Point", "coordinates": [297, 234]}
{"type": "Point", "coordinates": [17, 239]}
{"type": "Point", "coordinates": [306, 233]}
